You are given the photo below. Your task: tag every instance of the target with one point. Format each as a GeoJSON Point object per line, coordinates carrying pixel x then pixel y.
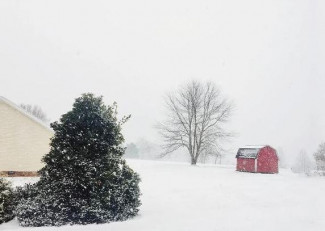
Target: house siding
{"type": "Point", "coordinates": [23, 141]}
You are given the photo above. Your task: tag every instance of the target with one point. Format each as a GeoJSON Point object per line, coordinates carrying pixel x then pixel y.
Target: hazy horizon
{"type": "Point", "coordinates": [266, 56]}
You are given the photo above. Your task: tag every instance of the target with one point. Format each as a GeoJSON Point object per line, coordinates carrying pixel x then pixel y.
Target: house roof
{"type": "Point", "coordinates": [22, 111]}
{"type": "Point", "coordinates": [249, 151]}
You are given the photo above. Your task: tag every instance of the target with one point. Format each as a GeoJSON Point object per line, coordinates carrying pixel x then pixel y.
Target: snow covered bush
{"type": "Point", "coordinates": [84, 180]}
{"type": "Point", "coordinates": [7, 202]}
{"type": "Point", "coordinates": [25, 192]}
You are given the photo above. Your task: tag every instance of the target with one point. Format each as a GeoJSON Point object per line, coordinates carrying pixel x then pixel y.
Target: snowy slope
{"type": "Point", "coordinates": [179, 197]}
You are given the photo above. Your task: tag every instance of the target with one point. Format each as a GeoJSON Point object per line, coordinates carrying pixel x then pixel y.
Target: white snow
{"type": "Point", "coordinates": [179, 197]}
{"type": "Point", "coordinates": [254, 146]}
{"type": "Point", "coordinates": [20, 181]}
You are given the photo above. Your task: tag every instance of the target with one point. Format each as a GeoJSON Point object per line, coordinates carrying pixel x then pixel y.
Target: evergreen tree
{"type": "Point", "coordinates": [6, 201]}
{"type": "Point", "coordinates": [84, 180]}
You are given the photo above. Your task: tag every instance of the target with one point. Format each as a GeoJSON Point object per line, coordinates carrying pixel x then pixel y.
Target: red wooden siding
{"type": "Point", "coordinates": [264, 160]}
{"type": "Point", "coordinates": [246, 165]}
{"type": "Point", "coordinates": [267, 161]}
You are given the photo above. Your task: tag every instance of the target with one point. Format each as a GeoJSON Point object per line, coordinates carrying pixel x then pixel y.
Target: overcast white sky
{"type": "Point", "coordinates": [267, 56]}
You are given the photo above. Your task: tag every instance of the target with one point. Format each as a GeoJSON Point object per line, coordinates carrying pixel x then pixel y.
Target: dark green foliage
{"type": "Point", "coordinates": [85, 180]}
{"type": "Point", "coordinates": [7, 202]}
{"type": "Point", "coordinates": [25, 192]}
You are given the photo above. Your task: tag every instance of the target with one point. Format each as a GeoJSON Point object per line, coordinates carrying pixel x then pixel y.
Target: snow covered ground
{"type": "Point", "coordinates": [178, 197]}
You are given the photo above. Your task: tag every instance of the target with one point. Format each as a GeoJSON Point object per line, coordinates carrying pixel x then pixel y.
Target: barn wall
{"type": "Point", "coordinates": [246, 165]}
{"type": "Point", "coordinates": [267, 161]}
{"type": "Point", "coordinates": [23, 141]}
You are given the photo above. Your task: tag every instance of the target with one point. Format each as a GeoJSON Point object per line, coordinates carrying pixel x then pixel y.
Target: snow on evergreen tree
{"type": "Point", "coordinates": [6, 201]}
{"type": "Point", "coordinates": [84, 180]}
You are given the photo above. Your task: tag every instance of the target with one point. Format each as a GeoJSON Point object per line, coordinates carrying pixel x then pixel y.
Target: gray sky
{"type": "Point", "coordinates": [267, 56]}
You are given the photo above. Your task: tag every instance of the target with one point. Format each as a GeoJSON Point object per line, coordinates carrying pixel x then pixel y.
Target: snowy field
{"type": "Point", "coordinates": [179, 197]}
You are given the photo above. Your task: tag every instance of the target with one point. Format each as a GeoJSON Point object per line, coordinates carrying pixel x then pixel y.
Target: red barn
{"type": "Point", "coordinates": [262, 159]}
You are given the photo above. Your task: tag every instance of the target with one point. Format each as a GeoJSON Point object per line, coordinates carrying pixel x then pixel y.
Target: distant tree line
{"type": "Point", "coordinates": [35, 111]}
{"type": "Point", "coordinates": [303, 163]}
{"type": "Point", "coordinates": [319, 156]}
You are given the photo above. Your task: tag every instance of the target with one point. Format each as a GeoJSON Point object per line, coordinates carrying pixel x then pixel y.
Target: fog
{"type": "Point", "coordinates": [266, 56]}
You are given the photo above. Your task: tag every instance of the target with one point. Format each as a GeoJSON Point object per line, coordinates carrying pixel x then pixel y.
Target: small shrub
{"type": "Point", "coordinates": [7, 202]}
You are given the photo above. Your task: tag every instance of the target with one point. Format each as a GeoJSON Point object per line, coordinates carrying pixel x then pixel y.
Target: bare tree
{"type": "Point", "coordinates": [35, 111]}
{"type": "Point", "coordinates": [303, 163]}
{"type": "Point", "coordinates": [212, 154]}
{"type": "Point", "coordinates": [196, 115]}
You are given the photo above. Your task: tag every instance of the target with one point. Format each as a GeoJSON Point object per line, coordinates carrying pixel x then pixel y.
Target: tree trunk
{"type": "Point", "coordinates": [193, 161]}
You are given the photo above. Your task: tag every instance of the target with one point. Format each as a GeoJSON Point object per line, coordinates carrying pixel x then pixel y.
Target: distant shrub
{"type": "Point", "coordinates": [7, 201]}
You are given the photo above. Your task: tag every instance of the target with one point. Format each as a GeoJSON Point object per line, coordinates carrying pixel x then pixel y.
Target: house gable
{"type": "Point", "coordinates": [24, 140]}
